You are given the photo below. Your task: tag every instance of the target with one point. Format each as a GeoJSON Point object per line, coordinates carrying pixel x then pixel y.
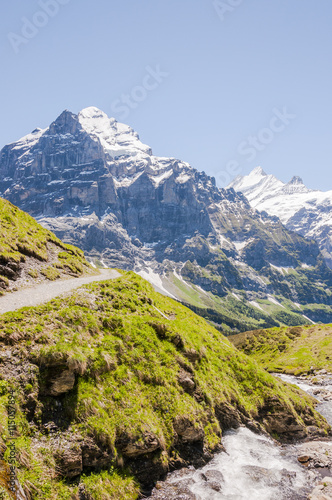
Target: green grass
{"type": "Point", "coordinates": [231, 315]}
{"type": "Point", "coordinates": [21, 237]}
{"type": "Point", "coordinates": [111, 485]}
{"type": "Point", "coordinates": [290, 350]}
{"type": "Point", "coordinates": [126, 345]}
{"type": "Point", "coordinates": [50, 273]}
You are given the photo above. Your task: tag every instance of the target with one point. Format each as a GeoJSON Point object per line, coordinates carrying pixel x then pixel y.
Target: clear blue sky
{"type": "Point", "coordinates": [227, 74]}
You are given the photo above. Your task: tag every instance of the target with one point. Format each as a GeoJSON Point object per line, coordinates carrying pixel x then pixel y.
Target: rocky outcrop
{"type": "Point", "coordinates": [117, 376]}
{"type": "Point", "coordinates": [31, 254]}
{"type": "Point", "coordinates": [187, 431]}
{"type": "Point", "coordinates": [186, 381]}
{"type": "Point", "coordinates": [62, 382]}
{"type": "Point", "coordinates": [323, 490]}
{"type": "Point", "coordinates": [285, 426]}
{"type": "Point", "coordinates": [132, 447]}
{"type": "Point", "coordinates": [69, 460]}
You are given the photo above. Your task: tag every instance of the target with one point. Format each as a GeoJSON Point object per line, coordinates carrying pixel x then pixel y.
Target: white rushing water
{"type": "Point", "coordinates": [253, 467]}
{"type": "Point", "coordinates": [317, 390]}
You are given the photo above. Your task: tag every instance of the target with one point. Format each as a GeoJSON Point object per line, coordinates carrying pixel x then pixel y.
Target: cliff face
{"type": "Point", "coordinates": [69, 169]}
{"type": "Point", "coordinates": [92, 181]}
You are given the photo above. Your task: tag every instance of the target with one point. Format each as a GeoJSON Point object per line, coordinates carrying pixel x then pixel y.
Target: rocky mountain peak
{"type": "Point", "coordinates": [301, 209]}
{"type": "Point", "coordinates": [117, 139]}
{"type": "Point", "coordinates": [258, 171]}
{"type": "Point", "coordinates": [66, 122]}
{"type": "Point", "coordinates": [295, 180]}
{"type": "Point", "coordinates": [83, 163]}
{"type": "Point", "coordinates": [295, 185]}
{"type": "Point", "coordinates": [257, 185]}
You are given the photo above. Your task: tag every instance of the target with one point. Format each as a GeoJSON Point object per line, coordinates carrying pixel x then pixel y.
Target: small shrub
{"type": "Point", "coordinates": [33, 273]}
{"type": "Point", "coordinates": [50, 273]}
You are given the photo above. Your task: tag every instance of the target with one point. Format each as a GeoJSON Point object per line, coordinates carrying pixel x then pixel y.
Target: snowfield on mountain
{"type": "Point", "coordinates": [306, 211]}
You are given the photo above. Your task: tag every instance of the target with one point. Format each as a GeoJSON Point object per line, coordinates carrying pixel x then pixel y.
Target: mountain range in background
{"type": "Point", "coordinates": [306, 211]}
{"type": "Point", "coordinates": [93, 182]}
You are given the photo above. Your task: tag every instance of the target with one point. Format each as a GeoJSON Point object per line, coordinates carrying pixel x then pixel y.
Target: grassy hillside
{"type": "Point", "coordinates": [292, 350]}
{"type": "Point", "coordinates": [29, 253]}
{"type": "Point", "coordinates": [117, 384]}
{"type": "Point", "coordinates": [234, 312]}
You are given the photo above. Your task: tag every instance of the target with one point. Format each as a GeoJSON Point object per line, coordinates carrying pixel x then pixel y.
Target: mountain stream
{"type": "Point", "coordinates": [254, 467]}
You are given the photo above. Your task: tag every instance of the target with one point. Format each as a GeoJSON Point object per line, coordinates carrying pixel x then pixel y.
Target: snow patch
{"type": "Point", "coordinates": [282, 270]}
{"type": "Point", "coordinates": [255, 304]}
{"type": "Point", "coordinates": [158, 179]}
{"type": "Point", "coordinates": [240, 245]}
{"type": "Point", "coordinates": [29, 140]}
{"type": "Point", "coordinates": [151, 245]}
{"type": "Point", "coordinates": [274, 301]}
{"type": "Point", "coordinates": [182, 178]}
{"type": "Point", "coordinates": [116, 138]}
{"type": "Point", "coordinates": [306, 317]}
{"type": "Point", "coordinates": [152, 277]}
{"type": "Point", "coordinates": [126, 181]}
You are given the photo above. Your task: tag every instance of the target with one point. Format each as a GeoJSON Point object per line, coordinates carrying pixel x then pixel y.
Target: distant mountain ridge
{"type": "Point", "coordinates": [93, 182]}
{"type": "Point", "coordinates": [304, 210]}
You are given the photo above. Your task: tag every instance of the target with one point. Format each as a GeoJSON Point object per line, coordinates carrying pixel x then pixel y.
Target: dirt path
{"type": "Point", "coordinates": [44, 292]}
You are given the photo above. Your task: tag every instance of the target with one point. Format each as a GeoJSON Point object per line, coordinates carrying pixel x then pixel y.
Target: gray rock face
{"type": "Point", "coordinates": [92, 181]}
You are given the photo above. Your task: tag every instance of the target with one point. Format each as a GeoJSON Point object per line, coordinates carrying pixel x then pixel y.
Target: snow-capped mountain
{"type": "Point", "coordinates": [94, 183]}
{"type": "Point", "coordinates": [307, 211]}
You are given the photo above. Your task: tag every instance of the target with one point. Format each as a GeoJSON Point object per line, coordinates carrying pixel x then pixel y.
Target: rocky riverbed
{"type": "Point", "coordinates": [255, 467]}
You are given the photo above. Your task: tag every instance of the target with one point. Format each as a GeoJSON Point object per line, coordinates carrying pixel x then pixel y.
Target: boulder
{"type": "Point", "coordinates": [187, 431]}
{"type": "Point", "coordinates": [133, 447]}
{"type": "Point", "coordinates": [186, 381]}
{"type": "Point", "coordinates": [62, 383]}
{"type": "Point", "coordinates": [69, 460]}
